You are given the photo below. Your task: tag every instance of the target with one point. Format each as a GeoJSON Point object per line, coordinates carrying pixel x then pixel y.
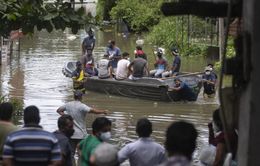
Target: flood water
{"type": "Point", "coordinates": [35, 78]}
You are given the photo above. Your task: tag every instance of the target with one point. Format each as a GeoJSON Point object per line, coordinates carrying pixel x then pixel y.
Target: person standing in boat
{"type": "Point", "coordinates": [138, 68]}
{"type": "Point", "coordinates": [176, 65]}
{"type": "Point", "coordinates": [160, 65]}
{"type": "Point", "coordinates": [183, 91]}
{"type": "Point", "coordinates": [209, 81]}
{"type": "Point", "coordinates": [88, 43]}
{"type": "Point", "coordinates": [104, 68]}
{"type": "Point", "coordinates": [114, 54]}
{"type": "Point", "coordinates": [140, 53]}
{"type": "Point", "coordinates": [78, 111]}
{"type": "Point", "coordinates": [122, 67]}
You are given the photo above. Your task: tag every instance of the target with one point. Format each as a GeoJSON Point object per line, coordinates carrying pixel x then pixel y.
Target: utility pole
{"type": "Point", "coordinates": [221, 37]}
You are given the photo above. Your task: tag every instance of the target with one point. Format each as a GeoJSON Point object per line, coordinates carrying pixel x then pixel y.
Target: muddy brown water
{"type": "Point", "coordinates": [35, 78]}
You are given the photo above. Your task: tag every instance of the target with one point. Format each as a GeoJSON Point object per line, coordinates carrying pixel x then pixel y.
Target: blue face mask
{"type": "Point", "coordinates": [105, 136]}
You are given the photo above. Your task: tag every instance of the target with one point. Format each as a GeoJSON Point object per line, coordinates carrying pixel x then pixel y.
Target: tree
{"type": "Point", "coordinates": [28, 14]}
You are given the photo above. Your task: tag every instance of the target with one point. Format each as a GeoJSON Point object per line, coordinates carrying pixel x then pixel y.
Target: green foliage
{"type": "Point", "coordinates": [28, 14]}
{"type": "Point", "coordinates": [171, 31]}
{"type": "Point", "coordinates": [103, 9]}
{"type": "Point", "coordinates": [138, 15]}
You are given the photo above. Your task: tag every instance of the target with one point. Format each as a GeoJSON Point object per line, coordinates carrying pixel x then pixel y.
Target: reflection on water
{"type": "Point", "coordinates": [35, 77]}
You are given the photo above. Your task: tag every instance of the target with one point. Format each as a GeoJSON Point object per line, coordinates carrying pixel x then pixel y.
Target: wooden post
{"type": "Point", "coordinates": [221, 37]}
{"type": "Point", "coordinates": [249, 106]}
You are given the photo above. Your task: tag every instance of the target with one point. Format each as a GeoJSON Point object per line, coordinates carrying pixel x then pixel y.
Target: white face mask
{"type": "Point", "coordinates": [207, 72]}
{"type": "Point", "coordinates": [128, 59]}
{"type": "Point", "coordinates": [105, 136]}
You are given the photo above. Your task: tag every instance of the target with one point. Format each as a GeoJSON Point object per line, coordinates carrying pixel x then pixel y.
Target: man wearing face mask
{"type": "Point", "coordinates": [65, 125]}
{"type": "Point", "coordinates": [209, 82]}
{"type": "Point", "coordinates": [101, 132]}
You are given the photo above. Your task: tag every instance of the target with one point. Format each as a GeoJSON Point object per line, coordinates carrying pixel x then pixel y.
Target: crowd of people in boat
{"type": "Point", "coordinates": [31, 145]}
{"type": "Point", "coordinates": [118, 66]}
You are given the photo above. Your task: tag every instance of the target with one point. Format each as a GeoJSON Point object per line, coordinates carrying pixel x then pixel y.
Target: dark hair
{"type": "Point", "coordinates": [181, 139]}
{"type": "Point", "coordinates": [31, 114]}
{"type": "Point", "coordinates": [125, 54]}
{"type": "Point", "coordinates": [62, 121]}
{"type": "Point", "coordinates": [144, 127]}
{"type": "Point", "coordinates": [6, 111]}
{"type": "Point", "coordinates": [210, 64]}
{"type": "Point", "coordinates": [78, 95]}
{"type": "Point", "coordinates": [217, 119]}
{"type": "Point", "coordinates": [113, 42]}
{"type": "Point", "coordinates": [99, 123]}
{"type": "Point", "coordinates": [138, 47]}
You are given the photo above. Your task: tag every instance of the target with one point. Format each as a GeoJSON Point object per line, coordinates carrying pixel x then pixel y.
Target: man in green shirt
{"type": "Point", "coordinates": [6, 126]}
{"type": "Point", "coordinates": [101, 128]}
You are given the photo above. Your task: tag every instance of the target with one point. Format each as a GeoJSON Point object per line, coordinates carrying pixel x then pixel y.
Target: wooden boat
{"type": "Point", "coordinates": [144, 88]}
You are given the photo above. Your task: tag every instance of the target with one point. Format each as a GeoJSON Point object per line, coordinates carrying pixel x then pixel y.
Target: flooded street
{"type": "Point", "coordinates": [35, 78]}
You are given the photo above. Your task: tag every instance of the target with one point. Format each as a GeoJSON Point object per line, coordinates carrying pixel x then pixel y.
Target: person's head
{"type": "Point", "coordinates": [210, 65]}
{"type": "Point", "coordinates": [78, 95]}
{"type": "Point", "coordinates": [106, 56]}
{"type": "Point", "coordinates": [106, 155]}
{"type": "Point", "coordinates": [174, 51]}
{"type": "Point", "coordinates": [6, 111]}
{"type": "Point", "coordinates": [65, 125]}
{"type": "Point", "coordinates": [125, 55]}
{"type": "Point", "coordinates": [177, 82]}
{"type": "Point", "coordinates": [78, 65]}
{"type": "Point", "coordinates": [31, 115]}
{"type": "Point", "coordinates": [181, 139]}
{"type": "Point", "coordinates": [144, 127]}
{"type": "Point", "coordinates": [217, 123]}
{"type": "Point", "coordinates": [207, 70]}
{"type": "Point", "coordinates": [90, 32]}
{"type": "Point", "coordinates": [159, 54]}
{"type": "Point", "coordinates": [111, 44]}
{"type": "Point", "coordinates": [101, 128]}
{"type": "Point", "coordinates": [138, 48]}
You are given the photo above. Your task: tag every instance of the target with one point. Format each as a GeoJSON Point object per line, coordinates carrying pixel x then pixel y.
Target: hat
{"type": "Point", "coordinates": [106, 154]}
{"type": "Point", "coordinates": [78, 93]}
{"type": "Point", "coordinates": [175, 50]}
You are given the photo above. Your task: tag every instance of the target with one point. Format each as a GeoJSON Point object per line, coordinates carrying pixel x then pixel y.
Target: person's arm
{"type": "Point", "coordinates": [130, 67]}
{"type": "Point", "coordinates": [61, 110]}
{"type": "Point", "coordinates": [8, 162]}
{"type": "Point", "coordinates": [98, 111]}
{"type": "Point", "coordinates": [123, 154]}
{"type": "Point", "coordinates": [83, 48]}
{"type": "Point", "coordinates": [220, 152]}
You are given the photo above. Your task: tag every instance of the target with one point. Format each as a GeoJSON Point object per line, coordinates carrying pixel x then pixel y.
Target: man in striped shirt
{"type": "Point", "coordinates": [31, 145]}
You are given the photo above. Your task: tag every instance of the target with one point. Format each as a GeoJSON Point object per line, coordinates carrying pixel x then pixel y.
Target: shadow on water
{"type": "Point", "coordinates": [35, 77]}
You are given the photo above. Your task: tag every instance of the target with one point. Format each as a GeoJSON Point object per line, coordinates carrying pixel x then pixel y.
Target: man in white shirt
{"type": "Point", "coordinates": [143, 151]}
{"type": "Point", "coordinates": [104, 68]}
{"type": "Point", "coordinates": [122, 67]}
{"type": "Point", "coordinates": [78, 111]}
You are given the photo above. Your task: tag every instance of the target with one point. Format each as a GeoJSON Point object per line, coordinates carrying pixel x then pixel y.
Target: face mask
{"type": "Point", "coordinates": [207, 72]}
{"type": "Point", "coordinates": [128, 59]}
{"type": "Point", "coordinates": [105, 136]}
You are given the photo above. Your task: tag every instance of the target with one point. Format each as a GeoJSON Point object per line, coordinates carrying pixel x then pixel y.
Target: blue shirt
{"type": "Point", "coordinates": [186, 93]}
{"type": "Point", "coordinates": [177, 64]}
{"type": "Point", "coordinates": [209, 88]}
{"type": "Point", "coordinates": [32, 146]}
{"type": "Point", "coordinates": [115, 53]}
{"type": "Point", "coordinates": [142, 152]}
